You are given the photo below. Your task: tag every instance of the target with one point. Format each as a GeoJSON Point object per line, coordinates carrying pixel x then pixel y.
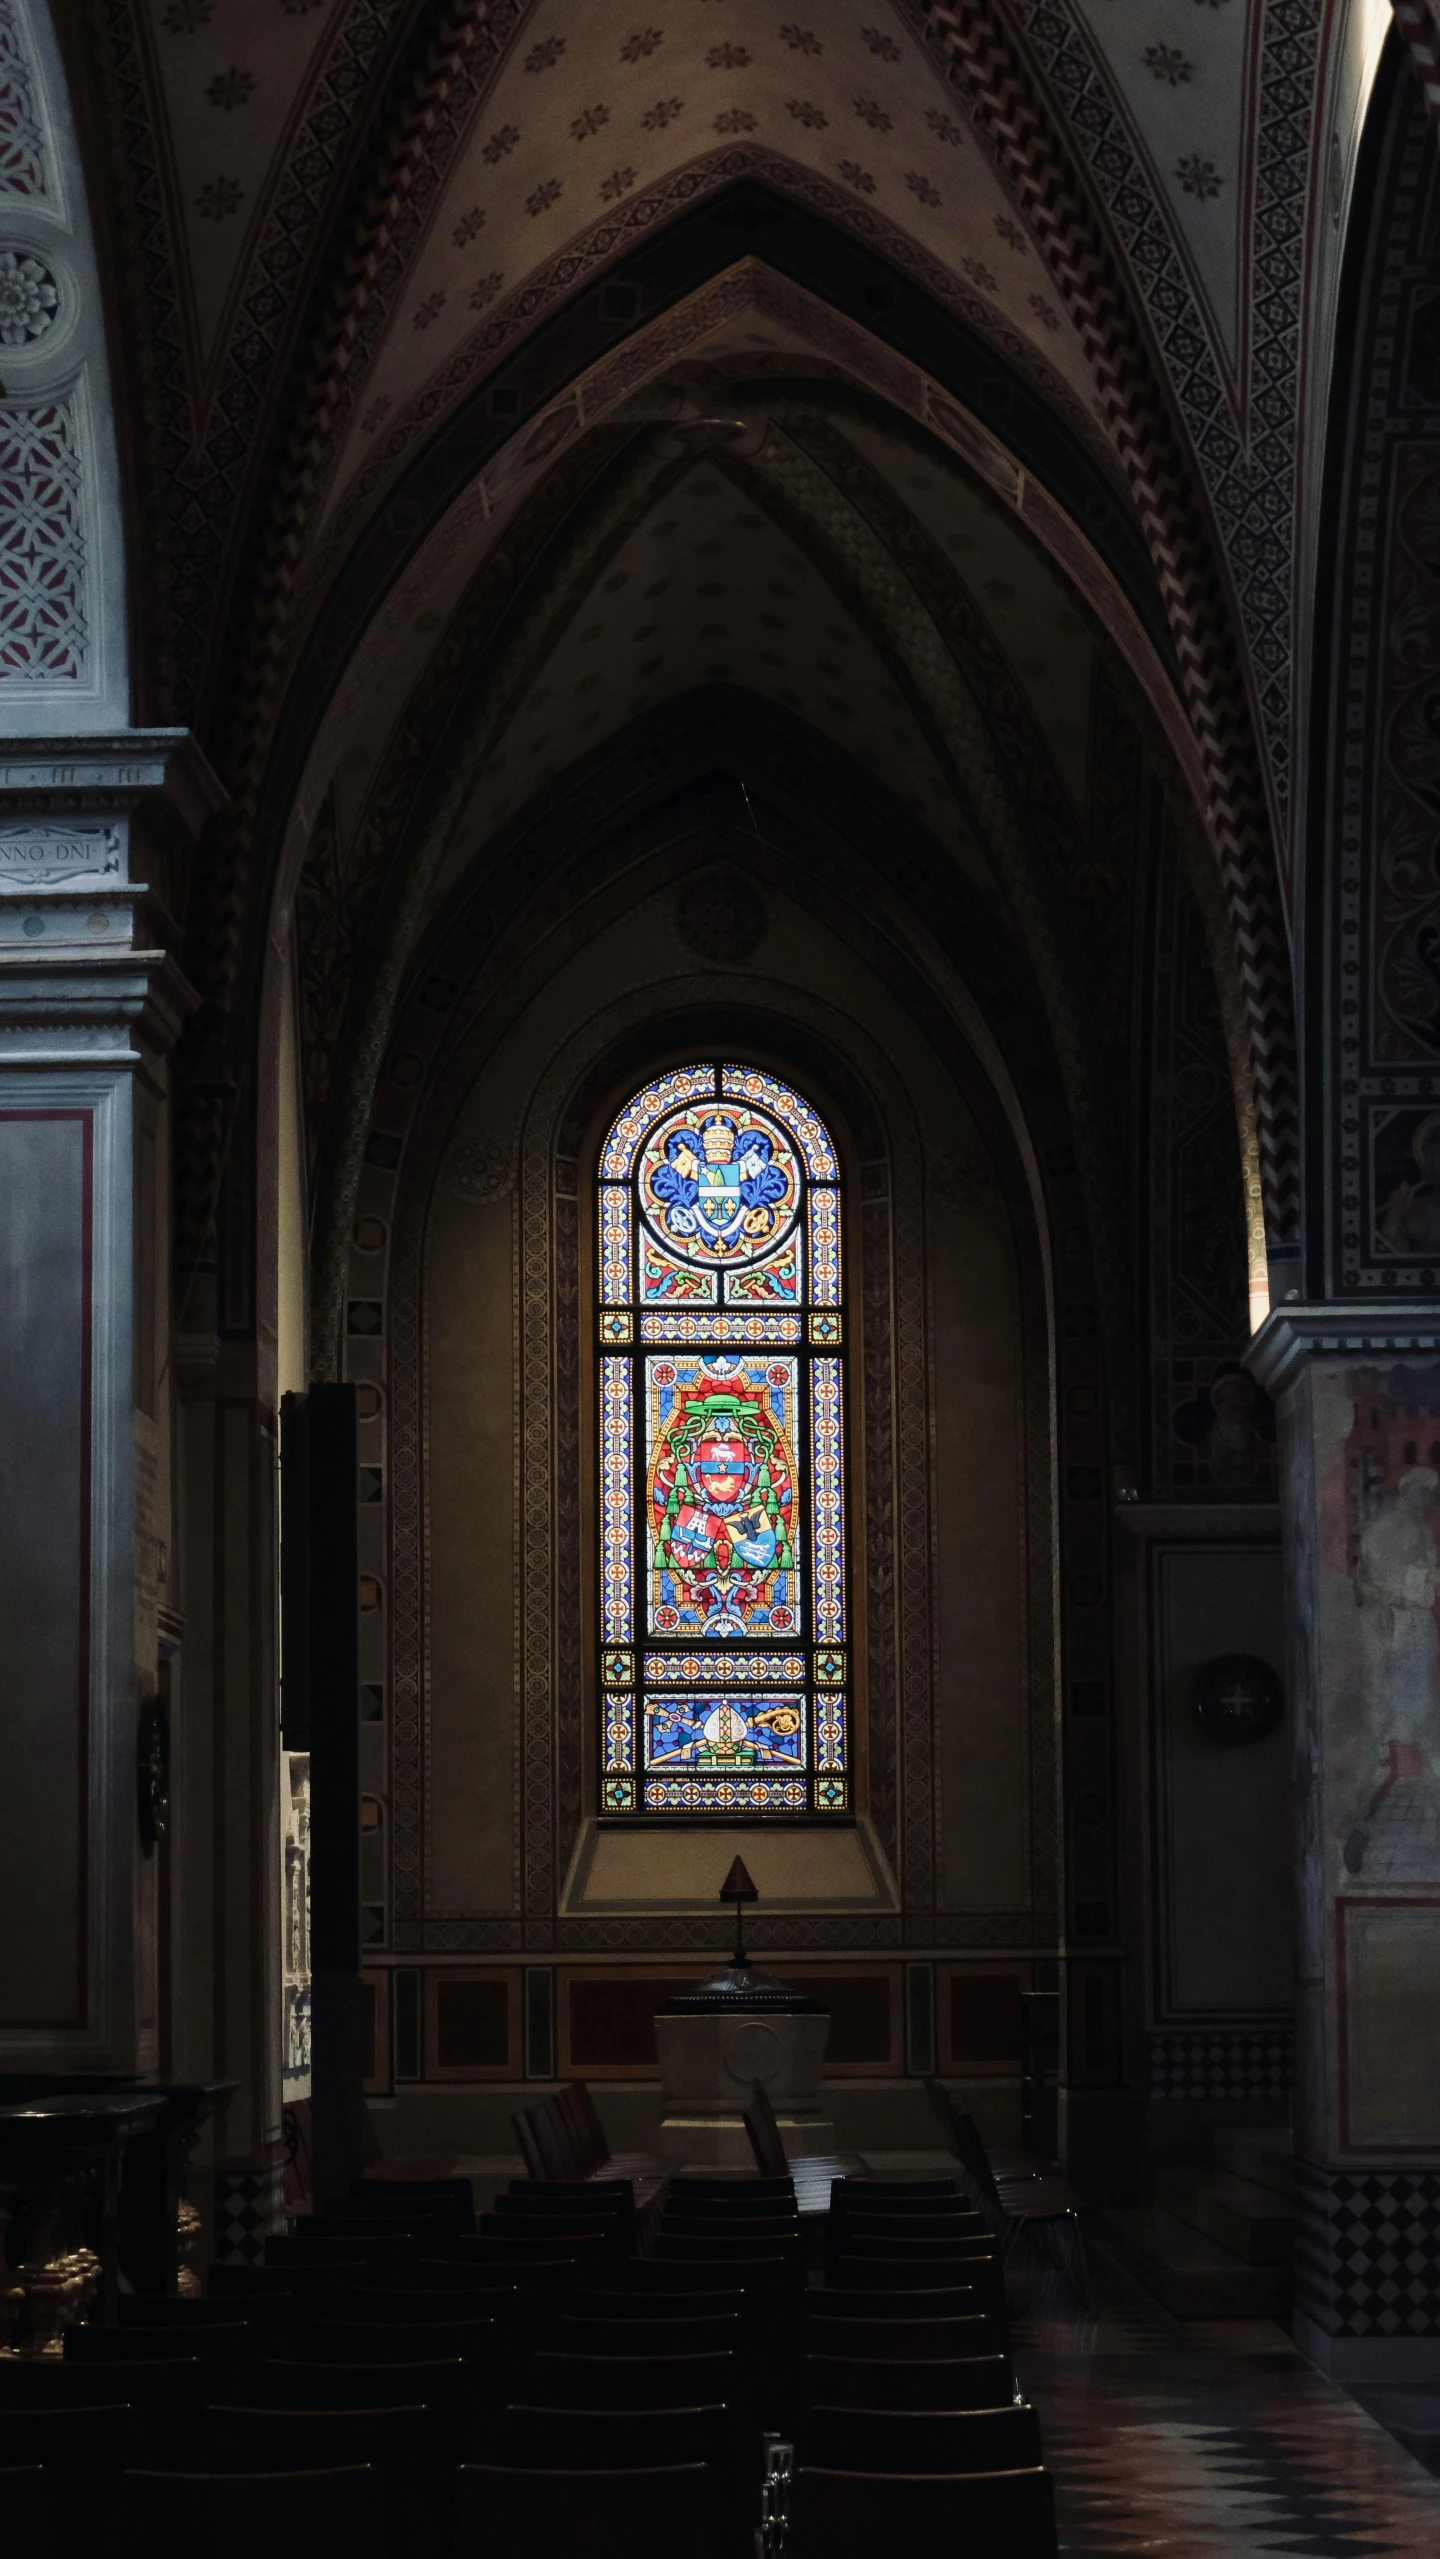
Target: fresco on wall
{"type": "Point", "coordinates": [1407, 1185]}
{"type": "Point", "coordinates": [1230, 1424]}
{"type": "Point", "coordinates": [1382, 1511]}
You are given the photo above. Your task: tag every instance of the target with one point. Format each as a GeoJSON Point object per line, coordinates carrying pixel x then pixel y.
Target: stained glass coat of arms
{"type": "Point", "coordinates": [722, 1491]}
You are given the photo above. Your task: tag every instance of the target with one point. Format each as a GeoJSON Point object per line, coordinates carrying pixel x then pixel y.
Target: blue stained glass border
{"type": "Point", "coordinates": [752, 1084]}
{"type": "Point", "coordinates": [667, 1093]}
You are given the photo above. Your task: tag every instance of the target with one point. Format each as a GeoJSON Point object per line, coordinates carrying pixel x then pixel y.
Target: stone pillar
{"type": "Point", "coordinates": [92, 834]}
{"type": "Point", "coordinates": [1359, 1398]}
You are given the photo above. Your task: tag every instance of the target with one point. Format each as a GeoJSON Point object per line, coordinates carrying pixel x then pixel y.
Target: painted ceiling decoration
{"type": "Point", "coordinates": [385, 265]}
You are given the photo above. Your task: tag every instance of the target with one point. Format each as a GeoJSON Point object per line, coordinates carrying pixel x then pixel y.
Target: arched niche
{"type": "Point", "coordinates": [470, 1326]}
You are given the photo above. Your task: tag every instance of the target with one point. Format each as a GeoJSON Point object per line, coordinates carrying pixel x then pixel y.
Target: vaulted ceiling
{"type": "Point", "coordinates": [397, 283]}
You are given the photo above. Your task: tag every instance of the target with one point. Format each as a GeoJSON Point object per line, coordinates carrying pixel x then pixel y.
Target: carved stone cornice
{"type": "Point", "coordinates": [128, 994]}
{"type": "Point", "coordinates": [1384, 1328]}
{"type": "Point", "coordinates": [154, 769]}
{"type": "Point", "coordinates": [1212, 1522]}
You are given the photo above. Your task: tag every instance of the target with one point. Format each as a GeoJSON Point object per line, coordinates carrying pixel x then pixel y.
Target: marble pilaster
{"type": "Point", "coordinates": [1358, 1392]}
{"type": "Point", "coordinates": [92, 833]}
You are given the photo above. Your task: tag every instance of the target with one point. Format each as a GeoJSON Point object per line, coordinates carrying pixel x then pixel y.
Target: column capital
{"type": "Point", "coordinates": [1384, 1328]}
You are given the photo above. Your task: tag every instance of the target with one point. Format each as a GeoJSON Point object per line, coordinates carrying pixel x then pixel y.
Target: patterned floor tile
{"type": "Point", "coordinates": [1208, 2439]}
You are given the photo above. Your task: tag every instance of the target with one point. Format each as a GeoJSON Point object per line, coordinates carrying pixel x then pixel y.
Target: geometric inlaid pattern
{"type": "Point", "coordinates": [1368, 2255]}
{"type": "Point", "coordinates": [1238, 2062]}
{"type": "Point", "coordinates": [1209, 2440]}
{"type": "Point", "coordinates": [44, 634]}
{"type": "Point", "coordinates": [249, 2208]}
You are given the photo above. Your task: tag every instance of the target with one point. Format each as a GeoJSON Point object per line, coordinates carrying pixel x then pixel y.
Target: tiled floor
{"type": "Point", "coordinates": [1207, 2439]}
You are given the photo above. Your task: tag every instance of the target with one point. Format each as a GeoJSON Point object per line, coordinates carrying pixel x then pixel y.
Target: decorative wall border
{"type": "Point", "coordinates": [1379, 1074]}
{"type": "Point", "coordinates": [1143, 406]}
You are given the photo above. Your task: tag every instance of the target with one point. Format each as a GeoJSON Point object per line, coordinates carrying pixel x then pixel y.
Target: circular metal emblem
{"type": "Point", "coordinates": [1237, 1698]}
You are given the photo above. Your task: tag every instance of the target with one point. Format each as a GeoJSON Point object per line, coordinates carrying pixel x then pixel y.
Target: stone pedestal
{"type": "Point", "coordinates": [709, 2064]}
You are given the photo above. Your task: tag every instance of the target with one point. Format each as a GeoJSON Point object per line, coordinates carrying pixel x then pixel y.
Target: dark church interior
{"type": "Point", "coordinates": [719, 1279]}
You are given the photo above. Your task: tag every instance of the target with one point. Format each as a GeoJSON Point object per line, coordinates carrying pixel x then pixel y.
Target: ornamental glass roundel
{"type": "Point", "coordinates": [723, 1598]}
{"type": "Point", "coordinates": [719, 1187]}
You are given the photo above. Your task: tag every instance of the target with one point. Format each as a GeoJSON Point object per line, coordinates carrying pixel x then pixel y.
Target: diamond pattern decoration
{"type": "Point", "coordinates": [1241, 2061]}
{"type": "Point", "coordinates": [249, 2209]}
{"type": "Point", "coordinates": [1209, 2439]}
{"type": "Point", "coordinates": [1368, 2262]}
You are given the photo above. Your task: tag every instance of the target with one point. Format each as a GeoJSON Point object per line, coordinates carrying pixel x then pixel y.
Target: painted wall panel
{"type": "Point", "coordinates": [471, 1489]}
{"type": "Point", "coordinates": [980, 1534]}
{"type": "Point", "coordinates": [45, 1349]}
{"type": "Point", "coordinates": [1225, 1849]}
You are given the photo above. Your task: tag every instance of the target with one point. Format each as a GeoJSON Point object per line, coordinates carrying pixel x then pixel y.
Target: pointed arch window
{"type": "Point", "coordinates": [723, 1584]}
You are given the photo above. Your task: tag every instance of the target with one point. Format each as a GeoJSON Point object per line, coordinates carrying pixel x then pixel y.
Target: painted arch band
{"type": "Point", "coordinates": [722, 1466]}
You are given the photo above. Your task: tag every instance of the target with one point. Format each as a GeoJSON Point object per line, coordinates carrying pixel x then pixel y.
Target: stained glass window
{"type": "Point", "coordinates": [723, 1636]}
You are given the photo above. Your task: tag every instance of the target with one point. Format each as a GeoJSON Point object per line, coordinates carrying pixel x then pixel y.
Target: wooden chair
{"type": "Point", "coordinates": [230, 2341]}
{"type": "Point", "coordinates": [530, 2289]}
{"type": "Point", "coordinates": [358, 2247]}
{"type": "Point", "coordinates": [707, 2222]}
{"type": "Point", "coordinates": [617, 2192]}
{"type": "Point", "coordinates": [653, 2513]}
{"type": "Point", "coordinates": [445, 2386]}
{"type": "Point", "coordinates": [617, 2438]}
{"type": "Point", "coordinates": [1034, 2202]}
{"type": "Point", "coordinates": [564, 2380]}
{"type": "Point", "coordinates": [453, 2197]}
{"type": "Point", "coordinates": [542, 2233]}
{"type": "Point", "coordinates": [899, 2245]}
{"type": "Point", "coordinates": [902, 2340]}
{"type": "Point", "coordinates": [465, 2274]}
{"type": "Point", "coordinates": [547, 2141]}
{"type": "Point", "coordinates": [922, 2440]}
{"type": "Point", "coordinates": [395, 2341]}
{"type": "Point", "coordinates": [519, 2247]}
{"type": "Point", "coordinates": [911, 2229]}
{"type": "Point", "coordinates": [660, 2311]}
{"type": "Point", "coordinates": [28, 2520]}
{"type": "Point", "coordinates": [373, 2221]}
{"type": "Point", "coordinates": [723, 2438]}
{"type": "Point", "coordinates": [766, 2276]}
{"type": "Point", "coordinates": [850, 2514]}
{"type": "Point", "coordinates": [784, 2247]}
{"type": "Point", "coordinates": [743, 2191]}
{"type": "Point", "coordinates": [581, 2334]}
{"type": "Point", "coordinates": [542, 2205]}
{"type": "Point", "coordinates": [82, 2451]}
{"type": "Point", "coordinates": [287, 2515]}
{"type": "Point", "coordinates": [329, 2282]}
{"type": "Point", "coordinates": [174, 2383]}
{"type": "Point", "coordinates": [418, 2305]}
{"type": "Point", "coordinates": [849, 2381]}
{"type": "Point", "coordinates": [982, 2273]}
{"type": "Point", "coordinates": [905, 2190]}
{"type": "Point", "coordinates": [586, 2130]}
{"type": "Point", "coordinates": [262, 2310]}
{"type": "Point", "coordinates": [835, 2301]}
{"type": "Point", "coordinates": [405, 2445]}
